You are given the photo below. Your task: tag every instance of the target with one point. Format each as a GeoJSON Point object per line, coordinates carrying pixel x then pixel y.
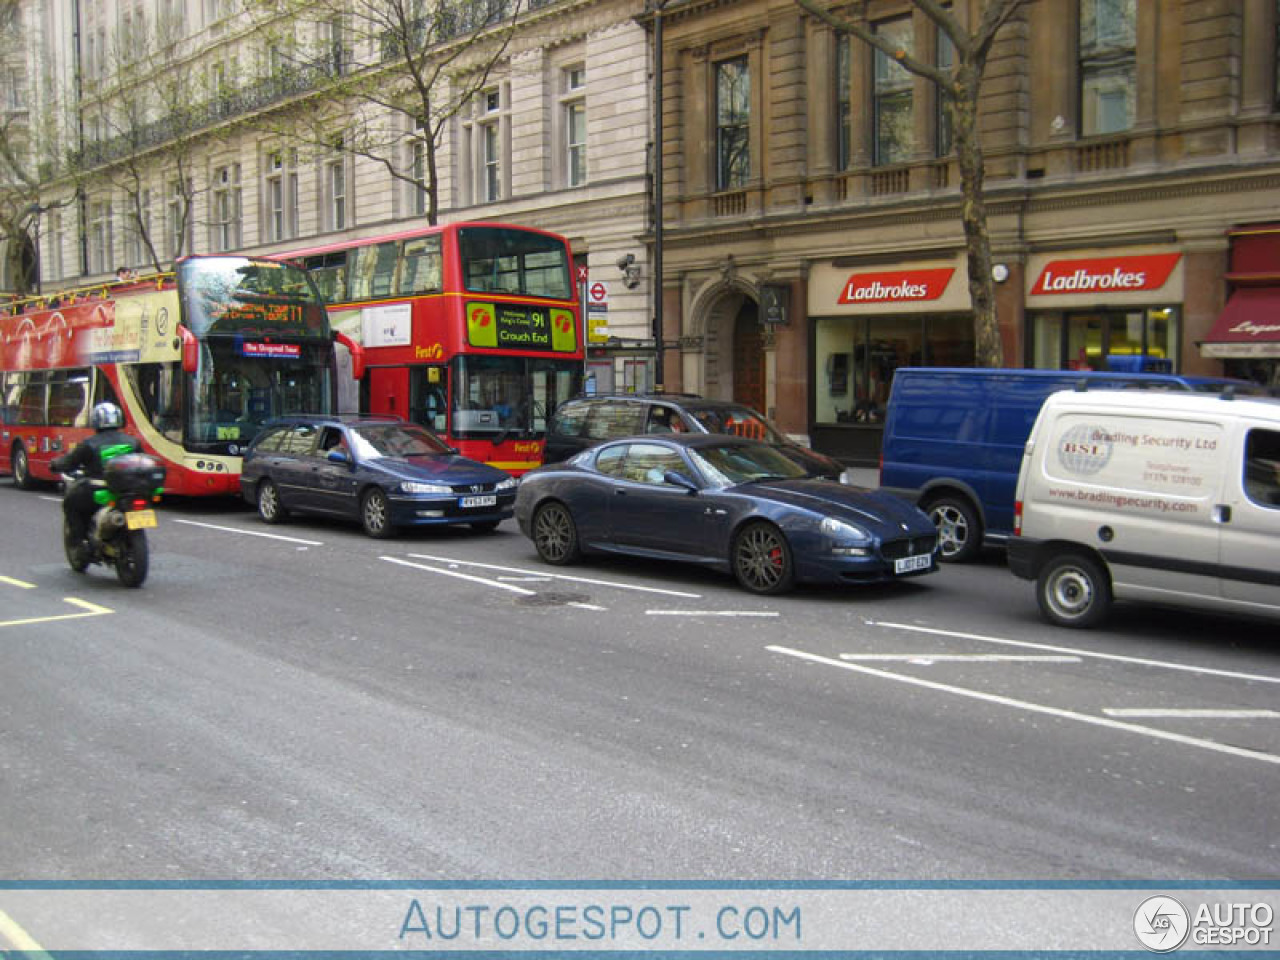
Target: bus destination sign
{"type": "Point", "coordinates": [513, 326]}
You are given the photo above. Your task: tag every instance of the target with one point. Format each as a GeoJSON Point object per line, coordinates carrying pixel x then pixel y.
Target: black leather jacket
{"type": "Point", "coordinates": [87, 455]}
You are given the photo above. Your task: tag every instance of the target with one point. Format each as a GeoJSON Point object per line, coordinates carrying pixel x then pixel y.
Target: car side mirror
{"type": "Point", "coordinates": [678, 479]}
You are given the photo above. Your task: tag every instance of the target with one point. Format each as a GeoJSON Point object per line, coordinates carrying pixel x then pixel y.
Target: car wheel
{"type": "Point", "coordinates": [485, 526]}
{"type": "Point", "coordinates": [1073, 591]}
{"type": "Point", "coordinates": [555, 536]}
{"type": "Point", "coordinates": [21, 468]}
{"type": "Point", "coordinates": [375, 515]}
{"type": "Point", "coordinates": [270, 509]}
{"type": "Point", "coordinates": [959, 529]}
{"type": "Point", "coordinates": [762, 559]}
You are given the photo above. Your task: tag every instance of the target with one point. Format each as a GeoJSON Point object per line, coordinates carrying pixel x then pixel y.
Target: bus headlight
{"type": "Point", "coordinates": [412, 486]}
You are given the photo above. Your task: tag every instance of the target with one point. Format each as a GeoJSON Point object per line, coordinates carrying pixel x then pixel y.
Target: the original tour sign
{"type": "Point", "coordinates": [896, 286]}
{"type": "Point", "coordinates": [1106, 274]}
{"type": "Point", "coordinates": [517, 327]}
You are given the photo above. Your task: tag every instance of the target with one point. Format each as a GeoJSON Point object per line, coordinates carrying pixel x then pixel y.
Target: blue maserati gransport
{"type": "Point", "coordinates": [733, 504]}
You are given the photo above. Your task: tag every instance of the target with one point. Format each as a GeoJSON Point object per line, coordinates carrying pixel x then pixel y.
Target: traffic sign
{"type": "Point", "coordinates": [598, 293]}
{"type": "Point", "coordinates": [583, 273]}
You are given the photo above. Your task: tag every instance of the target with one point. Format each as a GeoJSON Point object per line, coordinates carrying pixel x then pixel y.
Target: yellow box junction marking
{"type": "Point", "coordinates": [90, 610]}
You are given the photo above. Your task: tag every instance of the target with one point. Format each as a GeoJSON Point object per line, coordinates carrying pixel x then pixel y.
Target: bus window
{"type": "Point", "coordinates": [428, 399]}
{"type": "Point", "coordinates": [10, 396]}
{"type": "Point", "coordinates": [69, 399]}
{"type": "Point", "coordinates": [421, 271]}
{"type": "Point", "coordinates": [374, 271]}
{"type": "Point", "coordinates": [514, 261]}
{"type": "Point", "coordinates": [31, 401]}
{"type": "Point", "coordinates": [330, 275]}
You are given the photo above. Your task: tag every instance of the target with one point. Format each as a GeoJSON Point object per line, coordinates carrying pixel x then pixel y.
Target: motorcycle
{"type": "Point", "coordinates": [118, 529]}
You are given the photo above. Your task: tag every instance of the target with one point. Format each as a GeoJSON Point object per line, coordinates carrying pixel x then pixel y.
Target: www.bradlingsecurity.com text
{"type": "Point", "coordinates": [543, 923]}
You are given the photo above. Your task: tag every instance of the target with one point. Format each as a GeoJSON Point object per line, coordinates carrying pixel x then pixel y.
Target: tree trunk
{"type": "Point", "coordinates": [988, 349]}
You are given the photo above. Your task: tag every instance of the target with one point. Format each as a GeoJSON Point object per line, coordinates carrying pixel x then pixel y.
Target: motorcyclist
{"type": "Point", "coordinates": [91, 457]}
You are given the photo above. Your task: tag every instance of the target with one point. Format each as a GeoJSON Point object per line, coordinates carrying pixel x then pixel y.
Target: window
{"type": "Point", "coordinates": [176, 222]}
{"type": "Point", "coordinates": [226, 209]}
{"type": "Point", "coordinates": [490, 145]}
{"type": "Point", "coordinates": [1262, 467]}
{"type": "Point", "coordinates": [101, 255]}
{"type": "Point", "coordinates": [418, 173]}
{"type": "Point", "coordinates": [335, 42]}
{"type": "Point", "coordinates": [1108, 65]}
{"type": "Point", "coordinates": [422, 269]}
{"type": "Point", "coordinates": [281, 197]}
{"type": "Point", "coordinates": [844, 101]}
{"type": "Point", "coordinates": [946, 59]}
{"type": "Point", "coordinates": [336, 186]}
{"type": "Point", "coordinates": [373, 270]}
{"type": "Point", "coordinates": [137, 231]}
{"type": "Point", "coordinates": [733, 123]}
{"type": "Point", "coordinates": [892, 96]}
{"type": "Point", "coordinates": [575, 126]}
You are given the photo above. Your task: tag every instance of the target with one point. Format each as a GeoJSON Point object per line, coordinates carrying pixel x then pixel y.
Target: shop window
{"type": "Point", "coordinates": [858, 357]}
{"type": "Point", "coordinates": [1129, 340]}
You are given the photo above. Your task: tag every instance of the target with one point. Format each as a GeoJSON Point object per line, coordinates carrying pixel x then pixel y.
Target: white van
{"type": "Point", "coordinates": [1167, 498]}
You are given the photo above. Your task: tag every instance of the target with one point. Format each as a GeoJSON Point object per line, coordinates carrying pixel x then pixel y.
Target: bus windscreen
{"type": "Point", "coordinates": [231, 295]}
{"type": "Point", "coordinates": [517, 262]}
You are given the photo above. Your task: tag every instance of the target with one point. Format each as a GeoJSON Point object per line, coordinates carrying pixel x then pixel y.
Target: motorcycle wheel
{"type": "Point", "coordinates": [77, 550]}
{"type": "Point", "coordinates": [131, 558]}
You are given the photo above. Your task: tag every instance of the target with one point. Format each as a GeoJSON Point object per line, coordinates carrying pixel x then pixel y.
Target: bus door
{"type": "Point", "coordinates": [429, 397]}
{"type": "Point", "coordinates": [389, 391]}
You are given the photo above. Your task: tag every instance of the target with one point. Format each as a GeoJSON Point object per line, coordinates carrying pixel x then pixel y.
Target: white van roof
{"type": "Point", "coordinates": [1174, 401]}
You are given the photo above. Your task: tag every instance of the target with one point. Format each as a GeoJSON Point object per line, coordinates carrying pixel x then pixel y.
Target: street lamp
{"type": "Point", "coordinates": [658, 375]}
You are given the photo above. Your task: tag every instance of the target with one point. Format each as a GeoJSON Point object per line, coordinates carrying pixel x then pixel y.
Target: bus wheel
{"type": "Point", "coordinates": [21, 468]}
{"type": "Point", "coordinates": [375, 515]}
{"type": "Point", "coordinates": [270, 509]}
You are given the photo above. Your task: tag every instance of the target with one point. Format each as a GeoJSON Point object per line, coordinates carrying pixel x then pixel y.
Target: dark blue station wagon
{"type": "Point", "coordinates": [384, 472]}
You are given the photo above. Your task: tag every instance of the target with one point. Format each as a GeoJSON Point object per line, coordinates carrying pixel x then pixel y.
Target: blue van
{"type": "Point", "coordinates": [953, 440]}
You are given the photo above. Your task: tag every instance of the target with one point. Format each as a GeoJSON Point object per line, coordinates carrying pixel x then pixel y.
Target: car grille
{"type": "Point", "coordinates": [466, 489]}
{"type": "Point", "coordinates": [909, 547]}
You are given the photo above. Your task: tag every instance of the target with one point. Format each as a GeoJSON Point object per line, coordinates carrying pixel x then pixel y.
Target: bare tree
{"type": "Point", "coordinates": [959, 87]}
{"type": "Point", "coordinates": [424, 64]}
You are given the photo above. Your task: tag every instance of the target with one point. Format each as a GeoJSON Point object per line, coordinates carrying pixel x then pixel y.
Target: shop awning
{"type": "Point", "coordinates": [1249, 325]}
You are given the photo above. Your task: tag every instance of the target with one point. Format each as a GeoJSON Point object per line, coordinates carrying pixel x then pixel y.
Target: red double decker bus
{"type": "Point", "coordinates": [470, 329]}
{"type": "Point", "coordinates": [197, 359]}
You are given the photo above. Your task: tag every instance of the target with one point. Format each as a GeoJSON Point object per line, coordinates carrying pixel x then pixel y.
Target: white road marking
{"type": "Point", "coordinates": [961, 657]}
{"type": "Point", "coordinates": [1194, 713]}
{"type": "Point", "coordinates": [711, 613]}
{"type": "Point", "coordinates": [588, 606]}
{"type": "Point", "coordinates": [524, 579]}
{"type": "Point", "coordinates": [250, 533]}
{"type": "Point", "coordinates": [1033, 707]}
{"type": "Point", "coordinates": [461, 576]}
{"type": "Point", "coordinates": [41, 496]}
{"type": "Point", "coordinates": [1140, 661]}
{"type": "Point", "coordinates": [558, 576]}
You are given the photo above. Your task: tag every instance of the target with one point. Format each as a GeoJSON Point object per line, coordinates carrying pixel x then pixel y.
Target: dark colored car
{"type": "Point", "coordinates": [732, 504]}
{"type": "Point", "coordinates": [584, 421]}
{"type": "Point", "coordinates": [384, 472]}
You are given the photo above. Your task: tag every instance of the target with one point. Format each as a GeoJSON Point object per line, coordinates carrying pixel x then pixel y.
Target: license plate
{"type": "Point", "coordinates": [489, 500]}
{"type": "Point", "coordinates": [911, 564]}
{"type": "Point", "coordinates": [137, 519]}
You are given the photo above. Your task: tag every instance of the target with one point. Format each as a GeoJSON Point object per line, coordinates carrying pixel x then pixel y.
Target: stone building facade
{"type": "Point", "coordinates": [1132, 183]}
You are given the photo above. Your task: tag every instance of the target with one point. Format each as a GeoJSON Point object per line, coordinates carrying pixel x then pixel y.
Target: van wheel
{"type": "Point", "coordinates": [959, 529]}
{"type": "Point", "coordinates": [1073, 591]}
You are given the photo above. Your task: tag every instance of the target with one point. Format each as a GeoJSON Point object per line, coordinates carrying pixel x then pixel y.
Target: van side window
{"type": "Point", "coordinates": [1262, 467]}
{"type": "Point", "coordinates": [570, 419]}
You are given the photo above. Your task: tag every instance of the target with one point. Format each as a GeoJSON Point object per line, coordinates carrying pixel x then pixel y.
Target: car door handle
{"type": "Point", "coordinates": [1221, 513]}
{"type": "Point", "coordinates": [619, 493]}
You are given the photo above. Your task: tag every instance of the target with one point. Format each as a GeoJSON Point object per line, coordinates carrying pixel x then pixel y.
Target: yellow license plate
{"type": "Point", "coordinates": [137, 519]}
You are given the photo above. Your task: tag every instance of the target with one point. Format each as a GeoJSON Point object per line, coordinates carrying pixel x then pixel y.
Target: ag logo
{"type": "Point", "coordinates": [1084, 450]}
{"type": "Point", "coordinates": [1162, 924]}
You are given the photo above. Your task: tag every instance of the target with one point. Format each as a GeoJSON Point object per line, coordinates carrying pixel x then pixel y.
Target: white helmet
{"type": "Point", "coordinates": [106, 416]}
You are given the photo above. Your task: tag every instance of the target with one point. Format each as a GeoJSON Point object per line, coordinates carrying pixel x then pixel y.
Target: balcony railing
{"type": "Point", "coordinates": [1104, 155]}
{"type": "Point", "coordinates": [729, 204]}
{"type": "Point", "coordinates": [886, 182]}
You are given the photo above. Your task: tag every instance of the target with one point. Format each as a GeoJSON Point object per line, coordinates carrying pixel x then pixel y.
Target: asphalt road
{"type": "Point", "coordinates": [303, 703]}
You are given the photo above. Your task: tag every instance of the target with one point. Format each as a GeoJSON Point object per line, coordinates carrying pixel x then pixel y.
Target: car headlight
{"type": "Point", "coordinates": [508, 484]}
{"type": "Point", "coordinates": [845, 531]}
{"type": "Point", "coordinates": [413, 486]}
